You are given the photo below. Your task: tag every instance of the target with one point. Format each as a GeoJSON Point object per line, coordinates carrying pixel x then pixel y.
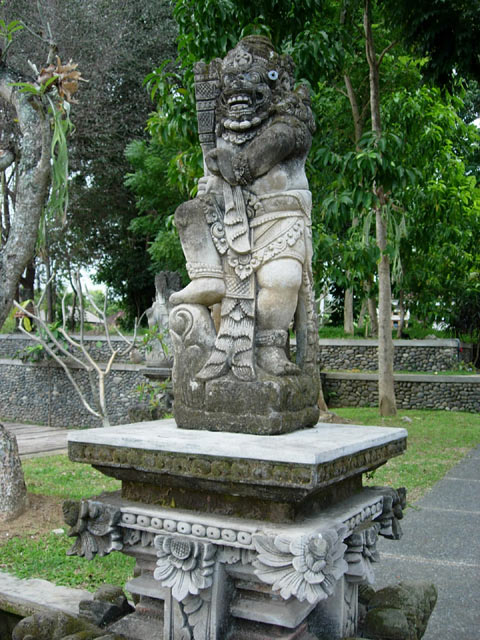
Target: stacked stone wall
{"type": "Point", "coordinates": [409, 355]}
{"type": "Point", "coordinates": [41, 393]}
{"type": "Point", "coordinates": [454, 393]}
{"type": "Point", "coordinates": [12, 345]}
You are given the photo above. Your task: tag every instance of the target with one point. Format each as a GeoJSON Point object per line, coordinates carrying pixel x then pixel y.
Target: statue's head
{"type": "Point", "coordinates": [253, 77]}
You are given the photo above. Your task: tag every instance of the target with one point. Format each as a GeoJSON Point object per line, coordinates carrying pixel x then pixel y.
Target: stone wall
{"type": "Point", "coordinates": [41, 392]}
{"type": "Point", "coordinates": [12, 344]}
{"type": "Point", "coordinates": [410, 355]}
{"type": "Point", "coordinates": [454, 393]}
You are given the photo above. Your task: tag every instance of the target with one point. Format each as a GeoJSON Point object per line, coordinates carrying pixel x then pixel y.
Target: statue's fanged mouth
{"type": "Point", "coordinates": [241, 109]}
{"type": "Point", "coordinates": [239, 102]}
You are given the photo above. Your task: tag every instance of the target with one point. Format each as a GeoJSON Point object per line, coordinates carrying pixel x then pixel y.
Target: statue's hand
{"type": "Point", "coordinates": [211, 162]}
{"type": "Point", "coordinates": [202, 186]}
{"type": "Point", "coordinates": [219, 162]}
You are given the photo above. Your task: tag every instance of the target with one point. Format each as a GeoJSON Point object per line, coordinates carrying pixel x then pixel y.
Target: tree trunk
{"type": "Point", "coordinates": [372, 312]}
{"type": "Point", "coordinates": [348, 311]}
{"type": "Point", "coordinates": [401, 319]}
{"type": "Point", "coordinates": [50, 289]}
{"type": "Point", "coordinates": [362, 314]}
{"type": "Point", "coordinates": [386, 392]}
{"type": "Point", "coordinates": [32, 187]}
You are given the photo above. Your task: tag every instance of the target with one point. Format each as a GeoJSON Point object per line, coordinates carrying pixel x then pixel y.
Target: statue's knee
{"type": "Point", "coordinates": [280, 275]}
{"type": "Point", "coordinates": [190, 213]}
{"type": "Point", "coordinates": [183, 214]}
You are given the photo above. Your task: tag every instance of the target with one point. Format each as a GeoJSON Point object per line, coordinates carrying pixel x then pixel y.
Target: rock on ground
{"type": "Point", "coordinates": [13, 492]}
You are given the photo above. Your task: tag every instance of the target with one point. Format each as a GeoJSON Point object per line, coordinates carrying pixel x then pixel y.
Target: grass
{"type": "Point", "coordinates": [437, 440]}
{"type": "Point", "coordinates": [46, 558]}
{"type": "Point", "coordinates": [57, 476]}
{"type": "Point", "coordinates": [30, 556]}
{"type": "Point", "coordinates": [414, 332]}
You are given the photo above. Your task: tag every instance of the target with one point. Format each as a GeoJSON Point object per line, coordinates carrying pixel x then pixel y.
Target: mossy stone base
{"type": "Point", "coordinates": [267, 406]}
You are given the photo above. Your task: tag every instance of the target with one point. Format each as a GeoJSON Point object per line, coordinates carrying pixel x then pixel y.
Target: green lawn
{"type": "Point", "coordinates": [57, 476]}
{"type": "Point", "coordinates": [437, 441]}
{"type": "Point", "coordinates": [46, 558]}
{"type": "Point", "coordinates": [30, 556]}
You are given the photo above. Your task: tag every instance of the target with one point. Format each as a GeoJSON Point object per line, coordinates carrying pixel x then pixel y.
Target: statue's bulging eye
{"type": "Point", "coordinates": [273, 75]}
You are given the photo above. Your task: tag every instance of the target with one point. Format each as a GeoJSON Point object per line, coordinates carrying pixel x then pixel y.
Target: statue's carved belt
{"type": "Point", "coordinates": [279, 230]}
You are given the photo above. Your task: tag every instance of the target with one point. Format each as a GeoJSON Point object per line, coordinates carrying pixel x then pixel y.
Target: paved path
{"type": "Point", "coordinates": [34, 440]}
{"type": "Point", "coordinates": [441, 544]}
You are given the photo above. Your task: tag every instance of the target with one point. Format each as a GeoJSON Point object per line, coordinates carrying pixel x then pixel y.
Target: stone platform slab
{"type": "Point", "coordinates": [320, 444]}
{"type": "Point", "coordinates": [26, 597]}
{"type": "Point", "coordinates": [284, 468]}
{"type": "Point", "coordinates": [280, 477]}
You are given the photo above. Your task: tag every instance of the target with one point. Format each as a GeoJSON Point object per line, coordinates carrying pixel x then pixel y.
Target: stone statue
{"type": "Point", "coordinates": [247, 241]}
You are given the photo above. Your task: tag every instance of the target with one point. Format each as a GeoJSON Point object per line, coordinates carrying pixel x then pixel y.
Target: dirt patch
{"type": "Point", "coordinates": [43, 514]}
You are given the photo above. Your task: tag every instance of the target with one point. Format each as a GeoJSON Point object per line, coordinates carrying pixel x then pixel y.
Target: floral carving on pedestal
{"type": "Point", "coordinates": [394, 502]}
{"type": "Point", "coordinates": [95, 525]}
{"type": "Point", "coordinates": [133, 537]}
{"type": "Point", "coordinates": [307, 567]}
{"type": "Point", "coordinates": [185, 566]}
{"type": "Point", "coordinates": [361, 552]}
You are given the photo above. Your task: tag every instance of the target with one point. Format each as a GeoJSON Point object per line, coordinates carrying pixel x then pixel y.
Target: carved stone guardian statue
{"type": "Point", "coordinates": [247, 241]}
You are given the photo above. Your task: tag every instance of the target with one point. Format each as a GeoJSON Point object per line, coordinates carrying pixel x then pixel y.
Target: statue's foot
{"type": "Point", "coordinates": [206, 291]}
{"type": "Point", "coordinates": [274, 360]}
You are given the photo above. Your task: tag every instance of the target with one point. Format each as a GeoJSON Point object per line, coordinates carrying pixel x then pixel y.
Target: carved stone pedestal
{"type": "Point", "coordinates": [239, 536]}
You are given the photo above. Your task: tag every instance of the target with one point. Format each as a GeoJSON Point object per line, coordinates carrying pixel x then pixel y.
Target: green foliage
{"type": "Point", "coordinates": [154, 392]}
{"type": "Point", "coordinates": [426, 160]}
{"type": "Point", "coordinates": [9, 326]}
{"type": "Point", "coordinates": [7, 31]}
{"type": "Point", "coordinates": [155, 335]}
{"type": "Point", "coordinates": [156, 201]}
{"type": "Point", "coordinates": [447, 32]}
{"type": "Point", "coordinates": [37, 352]}
{"type": "Point", "coordinates": [62, 128]}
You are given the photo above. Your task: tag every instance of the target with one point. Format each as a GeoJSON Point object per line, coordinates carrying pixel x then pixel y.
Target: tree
{"type": "Point", "coordinates": [363, 165]}
{"type": "Point", "coordinates": [447, 33]}
{"type": "Point", "coordinates": [386, 392]}
{"type": "Point", "coordinates": [116, 45]}
{"type": "Point", "coordinates": [32, 175]}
